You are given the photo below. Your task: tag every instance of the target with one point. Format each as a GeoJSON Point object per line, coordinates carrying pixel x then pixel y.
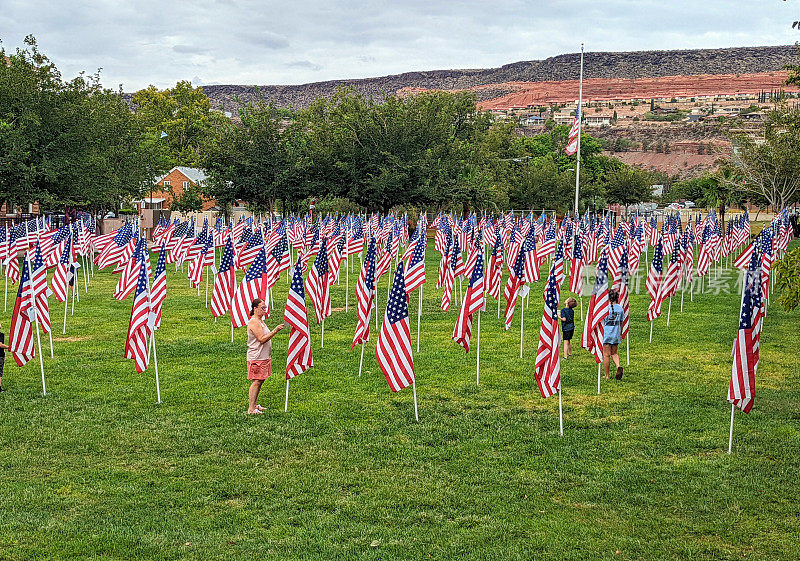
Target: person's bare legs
{"type": "Point", "coordinates": [255, 387]}
{"type": "Point", "coordinates": [567, 348]}
{"type": "Point", "coordinates": [607, 359]}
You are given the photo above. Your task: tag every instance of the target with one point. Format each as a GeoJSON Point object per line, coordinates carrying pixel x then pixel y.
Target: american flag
{"type": "Point", "coordinates": [592, 338]}
{"type": "Point", "coordinates": [624, 294]}
{"type": "Point", "coordinates": [548, 367]}
{"type": "Point", "coordinates": [40, 290]}
{"type": "Point", "coordinates": [415, 274]}
{"type": "Point", "coordinates": [365, 293]}
{"type": "Point", "coordinates": [3, 244]}
{"type": "Point", "coordinates": [277, 261]}
{"type": "Point", "coordinates": [496, 267]}
{"type": "Point", "coordinates": [574, 133]}
{"type": "Point", "coordinates": [20, 338]}
{"type": "Point", "coordinates": [673, 276]}
{"type": "Point", "coordinates": [64, 272]}
{"type": "Point", "coordinates": [140, 325]}
{"type": "Point", "coordinates": [706, 249]}
{"type": "Point", "coordinates": [576, 271]}
{"type": "Point", "coordinates": [250, 251]}
{"type": "Point", "coordinates": [687, 249]}
{"type": "Point", "coordinates": [533, 258]}
{"type": "Point", "coordinates": [654, 284]}
{"type": "Point", "coordinates": [615, 254]}
{"type": "Point", "coordinates": [248, 291]}
{"type": "Point", "coordinates": [473, 302]}
{"type": "Point", "coordinates": [516, 279]}
{"type": "Point", "coordinates": [393, 349]}
{"type": "Point", "coordinates": [203, 259]}
{"type": "Point", "coordinates": [448, 280]}
{"type": "Point", "coordinates": [128, 278]}
{"type": "Point", "coordinates": [114, 252]}
{"type": "Point", "coordinates": [298, 357]}
{"type": "Point", "coordinates": [385, 261]}
{"type": "Point", "coordinates": [224, 282]}
{"type": "Point", "coordinates": [12, 260]}
{"type": "Point", "coordinates": [317, 285]}
{"type": "Point", "coordinates": [355, 244]}
{"type": "Point", "coordinates": [158, 292]}
{"type": "Point", "coordinates": [742, 389]}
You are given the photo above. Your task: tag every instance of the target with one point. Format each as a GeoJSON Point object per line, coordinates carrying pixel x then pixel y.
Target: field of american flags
{"type": "Point", "coordinates": [98, 469]}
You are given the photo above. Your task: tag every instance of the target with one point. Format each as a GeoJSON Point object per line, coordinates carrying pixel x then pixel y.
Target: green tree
{"type": "Point", "coordinates": [184, 113]}
{"type": "Point", "coordinates": [68, 144]}
{"type": "Point", "coordinates": [249, 161]}
{"type": "Point", "coordinates": [628, 186]}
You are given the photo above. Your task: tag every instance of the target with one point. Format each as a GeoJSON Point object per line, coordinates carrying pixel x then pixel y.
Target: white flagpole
{"type": "Point", "coordinates": [207, 289]}
{"type": "Point", "coordinates": [50, 334]}
{"type": "Point", "coordinates": [598, 378]}
{"type": "Point", "coordinates": [155, 364]}
{"type": "Point", "coordinates": [419, 314]}
{"type": "Point", "coordinates": [416, 412]}
{"type": "Point", "coordinates": [347, 283]}
{"type": "Point", "coordinates": [730, 438]}
{"type": "Point", "coordinates": [35, 313]}
{"type": "Point", "coordinates": [361, 362]}
{"type": "Point", "coordinates": [478, 353]}
{"type": "Point", "coordinates": [66, 305]}
{"type": "Point", "coordinates": [560, 415]}
{"type": "Point", "coordinates": [651, 329]}
{"type": "Point", "coordinates": [581, 301]}
{"type": "Point", "coordinates": [286, 402]}
{"type": "Point", "coordinates": [669, 310]}
{"type": "Point", "coordinates": [231, 330]}
{"type": "Point", "coordinates": [5, 297]}
{"type": "Point", "coordinates": [74, 288]}
{"type": "Point", "coordinates": [521, 327]}
{"type": "Point", "coordinates": [85, 275]}
{"type": "Point", "coordinates": [578, 153]}
{"type": "Point", "coordinates": [322, 344]}
{"type": "Point", "coordinates": [628, 347]}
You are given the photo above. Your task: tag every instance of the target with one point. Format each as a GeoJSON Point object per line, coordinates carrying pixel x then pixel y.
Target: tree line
{"type": "Point", "coordinates": [73, 143]}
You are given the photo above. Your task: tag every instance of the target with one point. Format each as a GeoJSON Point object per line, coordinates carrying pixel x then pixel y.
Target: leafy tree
{"type": "Point", "coordinates": [788, 279]}
{"type": "Point", "coordinates": [67, 144]}
{"type": "Point", "coordinates": [246, 161]}
{"type": "Point", "coordinates": [184, 113]}
{"type": "Point", "coordinates": [628, 186]}
{"type": "Point", "coordinates": [769, 167]}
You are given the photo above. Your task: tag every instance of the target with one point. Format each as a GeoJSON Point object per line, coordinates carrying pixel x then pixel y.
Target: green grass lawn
{"type": "Point", "coordinates": [98, 470]}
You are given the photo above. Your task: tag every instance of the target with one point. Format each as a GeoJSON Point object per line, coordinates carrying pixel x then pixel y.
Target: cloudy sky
{"type": "Point", "coordinates": [141, 42]}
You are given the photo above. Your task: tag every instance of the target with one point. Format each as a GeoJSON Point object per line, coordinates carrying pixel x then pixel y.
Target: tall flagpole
{"type": "Point", "coordinates": [580, 118]}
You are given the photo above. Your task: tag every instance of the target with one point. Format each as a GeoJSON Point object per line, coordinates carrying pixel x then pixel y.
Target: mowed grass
{"type": "Point", "coordinates": [98, 470]}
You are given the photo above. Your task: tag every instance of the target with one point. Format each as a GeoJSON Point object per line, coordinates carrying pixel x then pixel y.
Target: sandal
{"type": "Point", "coordinates": [258, 407]}
{"type": "Point", "coordinates": [255, 412]}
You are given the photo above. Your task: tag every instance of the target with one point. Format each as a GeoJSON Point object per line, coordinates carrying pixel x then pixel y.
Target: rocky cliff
{"type": "Point", "coordinates": [640, 64]}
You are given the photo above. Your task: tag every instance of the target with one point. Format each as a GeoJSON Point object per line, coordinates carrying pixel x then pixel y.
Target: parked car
{"type": "Point", "coordinates": [674, 206]}
{"type": "Point", "coordinates": [689, 204]}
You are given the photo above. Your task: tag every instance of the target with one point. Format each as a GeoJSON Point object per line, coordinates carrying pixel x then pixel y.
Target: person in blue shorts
{"type": "Point", "coordinates": [612, 331]}
{"type": "Point", "coordinates": [567, 316]}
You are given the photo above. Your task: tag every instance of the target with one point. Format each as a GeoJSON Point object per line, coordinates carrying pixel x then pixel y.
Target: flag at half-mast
{"type": "Point", "coordinates": [574, 132]}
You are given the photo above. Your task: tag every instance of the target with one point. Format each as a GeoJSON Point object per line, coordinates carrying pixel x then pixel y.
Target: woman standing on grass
{"type": "Point", "coordinates": [612, 331]}
{"type": "Point", "coordinates": [259, 352]}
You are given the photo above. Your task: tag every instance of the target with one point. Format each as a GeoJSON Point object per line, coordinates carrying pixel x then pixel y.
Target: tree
{"type": "Point", "coordinates": [787, 270]}
{"type": "Point", "coordinates": [627, 186]}
{"type": "Point", "coordinates": [769, 167]}
{"type": "Point", "coordinates": [184, 113]}
{"type": "Point", "coordinates": [249, 161]}
{"type": "Point", "coordinates": [68, 144]}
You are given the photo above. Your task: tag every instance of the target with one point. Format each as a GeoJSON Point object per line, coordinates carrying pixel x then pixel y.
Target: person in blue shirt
{"type": "Point", "coordinates": [567, 316]}
{"type": "Point", "coordinates": [612, 331]}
